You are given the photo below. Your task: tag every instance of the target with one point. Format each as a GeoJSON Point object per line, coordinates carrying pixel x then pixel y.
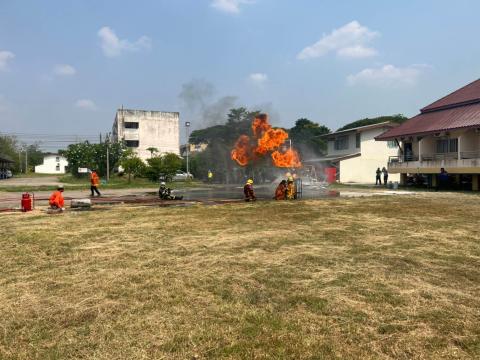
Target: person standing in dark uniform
{"type": "Point", "coordinates": [248, 191]}
{"type": "Point", "coordinates": [385, 175]}
{"type": "Point", "coordinates": [378, 179]}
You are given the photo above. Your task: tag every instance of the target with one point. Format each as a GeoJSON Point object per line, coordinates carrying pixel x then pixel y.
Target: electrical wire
{"type": "Point", "coordinates": [50, 142]}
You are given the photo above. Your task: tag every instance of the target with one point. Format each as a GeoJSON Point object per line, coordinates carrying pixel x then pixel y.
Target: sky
{"type": "Point", "coordinates": [66, 66]}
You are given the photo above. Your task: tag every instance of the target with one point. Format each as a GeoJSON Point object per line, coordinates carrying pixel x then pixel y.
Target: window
{"type": "Point", "coordinates": [131, 125]}
{"type": "Point", "coordinates": [391, 144]}
{"type": "Point", "coordinates": [132, 143]}
{"type": "Point", "coordinates": [57, 168]}
{"type": "Point", "coordinates": [453, 145]}
{"type": "Point", "coordinates": [442, 146]}
{"type": "Point", "coordinates": [357, 140]}
{"type": "Point", "coordinates": [341, 143]}
{"type": "Point", "coordinates": [447, 146]}
{"type": "Point", "coordinates": [57, 159]}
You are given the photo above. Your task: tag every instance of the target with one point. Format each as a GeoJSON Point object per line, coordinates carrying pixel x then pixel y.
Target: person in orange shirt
{"type": "Point", "coordinates": [56, 200]}
{"type": "Point", "coordinates": [94, 183]}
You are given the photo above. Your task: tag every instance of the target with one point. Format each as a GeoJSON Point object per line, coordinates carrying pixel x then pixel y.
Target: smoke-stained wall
{"type": "Point", "coordinates": [157, 129]}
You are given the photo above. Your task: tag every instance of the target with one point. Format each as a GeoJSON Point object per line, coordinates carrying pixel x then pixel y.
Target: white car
{"type": "Point", "coordinates": [182, 176]}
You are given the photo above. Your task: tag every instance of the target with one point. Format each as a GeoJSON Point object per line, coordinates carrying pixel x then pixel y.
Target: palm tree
{"type": "Point", "coordinates": [152, 150]}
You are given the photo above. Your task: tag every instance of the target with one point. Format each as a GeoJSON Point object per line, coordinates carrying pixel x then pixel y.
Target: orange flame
{"type": "Point", "coordinates": [241, 152]}
{"type": "Point", "coordinates": [271, 140]}
{"type": "Point", "coordinates": [288, 159]}
{"type": "Point", "coordinates": [268, 140]}
{"type": "Point", "coordinates": [260, 125]}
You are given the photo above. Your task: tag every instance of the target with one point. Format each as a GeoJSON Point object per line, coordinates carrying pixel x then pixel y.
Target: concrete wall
{"type": "Point", "coordinates": [469, 140]}
{"type": "Point", "coordinates": [50, 163]}
{"type": "Point", "coordinates": [427, 146]}
{"type": "Point", "coordinates": [352, 149]}
{"type": "Point", "coordinates": [157, 129]}
{"type": "Point", "coordinates": [374, 154]}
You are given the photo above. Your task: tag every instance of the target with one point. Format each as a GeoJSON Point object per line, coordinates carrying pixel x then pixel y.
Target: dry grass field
{"type": "Point", "coordinates": [378, 277]}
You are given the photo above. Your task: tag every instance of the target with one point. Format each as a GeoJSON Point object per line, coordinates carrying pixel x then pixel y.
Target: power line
{"type": "Point", "coordinates": [57, 135]}
{"type": "Point", "coordinates": [51, 142]}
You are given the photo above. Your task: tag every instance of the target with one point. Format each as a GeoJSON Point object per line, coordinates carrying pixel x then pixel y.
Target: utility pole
{"type": "Point", "coordinates": [187, 128]}
{"type": "Point", "coordinates": [26, 160]}
{"type": "Point", "coordinates": [107, 142]}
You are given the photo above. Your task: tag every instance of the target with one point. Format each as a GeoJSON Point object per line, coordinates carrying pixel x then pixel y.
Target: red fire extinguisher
{"type": "Point", "coordinates": [28, 201]}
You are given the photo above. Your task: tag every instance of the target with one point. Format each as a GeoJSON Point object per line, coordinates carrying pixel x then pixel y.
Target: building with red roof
{"type": "Point", "coordinates": [442, 143]}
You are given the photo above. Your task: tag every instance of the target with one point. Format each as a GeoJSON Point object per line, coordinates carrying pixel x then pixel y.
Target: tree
{"type": "Point", "coordinates": [93, 156]}
{"type": "Point", "coordinates": [79, 155]}
{"type": "Point", "coordinates": [9, 147]}
{"type": "Point", "coordinates": [305, 136]}
{"type": "Point", "coordinates": [115, 152]}
{"type": "Point", "coordinates": [132, 164]}
{"type": "Point", "coordinates": [164, 166]}
{"type": "Point", "coordinates": [399, 118]}
{"type": "Point", "coordinates": [220, 140]}
{"type": "Point", "coordinates": [35, 156]}
{"type": "Point", "coordinates": [153, 150]}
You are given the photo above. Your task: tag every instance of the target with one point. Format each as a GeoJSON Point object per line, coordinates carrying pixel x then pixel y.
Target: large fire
{"type": "Point", "coordinates": [289, 159]}
{"type": "Point", "coordinates": [242, 152]}
{"type": "Point", "coordinates": [265, 140]}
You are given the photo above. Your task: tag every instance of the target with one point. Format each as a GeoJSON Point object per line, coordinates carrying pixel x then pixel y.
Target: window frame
{"type": "Point", "coordinates": [135, 125]}
{"type": "Point", "coordinates": [134, 143]}
{"type": "Point", "coordinates": [341, 143]}
{"type": "Point", "coordinates": [392, 144]}
{"type": "Point", "coordinates": [446, 145]}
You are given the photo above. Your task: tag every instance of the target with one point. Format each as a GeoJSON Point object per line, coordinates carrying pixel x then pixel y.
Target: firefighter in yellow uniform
{"type": "Point", "coordinates": [291, 191]}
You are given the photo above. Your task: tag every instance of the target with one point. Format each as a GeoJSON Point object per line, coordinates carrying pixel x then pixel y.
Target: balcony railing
{"type": "Point", "coordinates": [439, 156]}
{"type": "Point", "coordinates": [403, 158]}
{"type": "Point", "coordinates": [435, 157]}
{"type": "Point", "coordinates": [470, 155]}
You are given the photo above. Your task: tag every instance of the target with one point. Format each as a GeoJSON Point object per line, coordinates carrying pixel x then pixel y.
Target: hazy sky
{"type": "Point", "coordinates": [66, 66]}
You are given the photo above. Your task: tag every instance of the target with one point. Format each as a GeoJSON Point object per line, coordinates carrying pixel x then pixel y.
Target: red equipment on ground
{"type": "Point", "coordinates": [28, 201]}
{"type": "Point", "coordinates": [331, 174]}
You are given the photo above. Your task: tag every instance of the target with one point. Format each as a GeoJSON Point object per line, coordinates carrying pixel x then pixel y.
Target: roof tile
{"type": "Point", "coordinates": [467, 94]}
{"type": "Point", "coordinates": [460, 109]}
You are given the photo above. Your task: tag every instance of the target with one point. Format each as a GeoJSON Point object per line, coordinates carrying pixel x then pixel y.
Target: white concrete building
{"type": "Point", "coordinates": [141, 129]}
{"type": "Point", "coordinates": [52, 164]}
{"type": "Point", "coordinates": [356, 154]}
